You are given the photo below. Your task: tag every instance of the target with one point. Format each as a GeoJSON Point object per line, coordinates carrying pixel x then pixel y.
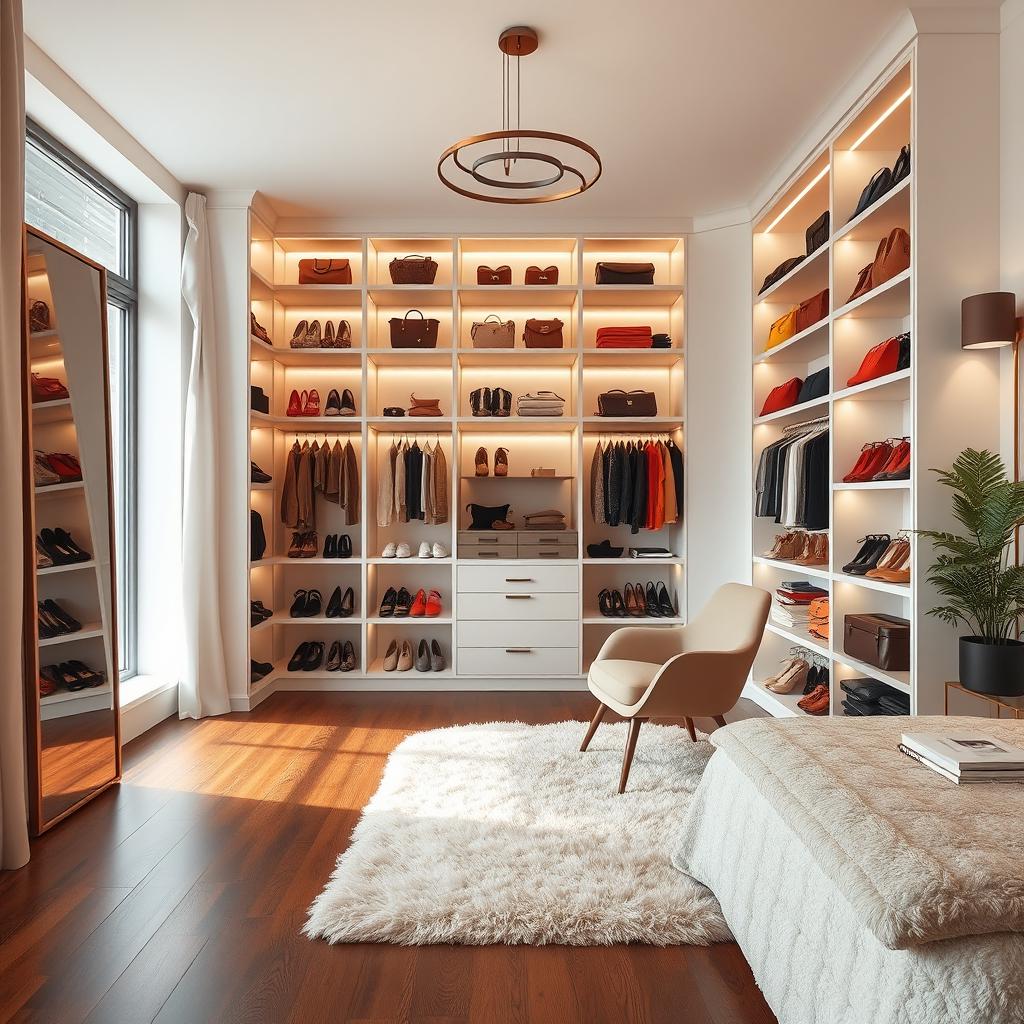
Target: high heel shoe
{"type": "Point", "coordinates": [634, 606]}
{"type": "Point", "coordinates": [618, 605]}
{"type": "Point", "coordinates": [331, 546]}
{"type": "Point", "coordinates": [296, 661]}
{"type": "Point", "coordinates": [387, 604]}
{"type": "Point", "coordinates": [403, 604]}
{"type": "Point", "coordinates": [311, 407]}
{"type": "Point", "coordinates": [314, 658]}
{"type": "Point", "coordinates": [422, 657]}
{"type": "Point", "coordinates": [861, 565]}
{"type": "Point", "coordinates": [897, 569]}
{"type": "Point", "coordinates": [391, 657]}
{"type": "Point", "coordinates": [294, 404]}
{"type": "Point", "coordinates": [333, 407]}
{"type": "Point", "coordinates": [437, 661]}
{"type": "Point", "coordinates": [405, 656]}
{"type": "Point", "coordinates": [334, 657]}
{"type": "Point", "coordinates": [651, 606]}
{"type": "Point", "coordinates": [344, 546]}
{"type": "Point", "coordinates": [348, 657]}
{"type": "Point", "coordinates": [665, 604]}
{"type": "Point", "coordinates": [604, 603]}
{"type": "Point", "coordinates": [898, 465]}
{"type": "Point", "coordinates": [793, 677]}
{"type": "Point", "coordinates": [348, 403]}
{"type": "Point", "coordinates": [299, 337]}
{"type": "Point", "coordinates": [481, 462]}
{"type": "Point", "coordinates": [419, 604]}
{"type": "Point", "coordinates": [501, 462]}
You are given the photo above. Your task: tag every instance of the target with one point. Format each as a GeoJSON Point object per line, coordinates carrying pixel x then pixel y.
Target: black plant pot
{"type": "Point", "coordinates": [995, 669]}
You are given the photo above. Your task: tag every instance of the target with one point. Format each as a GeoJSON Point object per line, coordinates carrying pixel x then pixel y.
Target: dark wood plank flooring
{"type": "Point", "coordinates": [178, 896]}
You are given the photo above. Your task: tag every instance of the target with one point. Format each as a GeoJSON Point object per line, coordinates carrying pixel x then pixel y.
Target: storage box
{"type": "Point", "coordinates": [879, 640]}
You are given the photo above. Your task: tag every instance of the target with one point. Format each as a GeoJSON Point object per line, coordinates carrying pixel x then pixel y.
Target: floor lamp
{"type": "Point", "coordinates": [990, 320]}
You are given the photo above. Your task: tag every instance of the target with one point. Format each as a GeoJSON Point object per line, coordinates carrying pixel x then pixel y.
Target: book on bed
{"type": "Point", "coordinates": [966, 757]}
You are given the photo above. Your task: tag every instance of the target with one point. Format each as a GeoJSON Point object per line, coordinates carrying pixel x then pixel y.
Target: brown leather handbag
{"type": "Point", "coordinates": [499, 275]}
{"type": "Point", "coordinates": [413, 270]}
{"type": "Point", "coordinates": [811, 310]}
{"type": "Point", "coordinates": [879, 640]}
{"type": "Point", "coordinates": [543, 333]}
{"type": "Point", "coordinates": [624, 273]}
{"type": "Point", "coordinates": [328, 271]}
{"type": "Point", "coordinates": [627, 403]}
{"type": "Point", "coordinates": [424, 406]}
{"type": "Point", "coordinates": [534, 275]}
{"type": "Point", "coordinates": [492, 333]}
{"type": "Point", "coordinates": [892, 258]}
{"type": "Point", "coordinates": [406, 333]}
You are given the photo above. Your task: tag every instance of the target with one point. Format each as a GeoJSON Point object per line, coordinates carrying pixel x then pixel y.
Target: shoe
{"type": "Point", "coordinates": [618, 605]}
{"type": "Point", "coordinates": [42, 474]}
{"type": "Point", "coordinates": [480, 402]}
{"type": "Point", "coordinates": [665, 603]}
{"type": "Point", "coordinates": [259, 669]}
{"type": "Point", "coordinates": [422, 657]}
{"type": "Point", "coordinates": [295, 548]}
{"type": "Point", "coordinates": [868, 559]}
{"type": "Point", "coordinates": [43, 560]}
{"type": "Point", "coordinates": [405, 656]}
{"type": "Point", "coordinates": [387, 603]}
{"type": "Point", "coordinates": [298, 608]}
{"type": "Point", "coordinates": [310, 544]}
{"type": "Point", "coordinates": [334, 657]}
{"type": "Point", "coordinates": [294, 404]}
{"type": "Point", "coordinates": [333, 407]}
{"type": "Point", "coordinates": [298, 659]}
{"type": "Point", "coordinates": [331, 546]}
{"type": "Point", "coordinates": [424, 551]}
{"type": "Point", "coordinates": [348, 403]}
{"type": "Point", "coordinates": [61, 547]}
{"type": "Point", "coordinates": [433, 604]}
{"type": "Point", "coordinates": [66, 466]}
{"type": "Point", "coordinates": [439, 551]}
{"type": "Point", "coordinates": [481, 462]}
{"type": "Point", "coordinates": [604, 603]}
{"type": "Point", "coordinates": [257, 476]}
{"type": "Point", "coordinates": [419, 604]}
{"type": "Point", "coordinates": [403, 551]}
{"type": "Point", "coordinates": [391, 657]}
{"type": "Point", "coordinates": [348, 656]}
{"type": "Point", "coordinates": [314, 656]}
{"type": "Point", "coordinates": [784, 666]}
{"type": "Point", "coordinates": [814, 679]}
{"type": "Point", "coordinates": [815, 550]}
{"type": "Point", "coordinates": [256, 329]}
{"type": "Point", "coordinates": [299, 337]}
{"type": "Point", "coordinates": [311, 407]}
{"type": "Point", "coordinates": [328, 338]}
{"type": "Point", "coordinates": [389, 550]}
{"type": "Point", "coordinates": [258, 613]}
{"type": "Point", "coordinates": [794, 676]}
{"type": "Point", "coordinates": [634, 605]}
{"type": "Point", "coordinates": [501, 462]}
{"type": "Point", "coordinates": [314, 339]}
{"type": "Point", "coordinates": [816, 702]}
{"type": "Point", "coordinates": [897, 468]}
{"type": "Point", "coordinates": [878, 455]}
{"type": "Point", "coordinates": [57, 619]}
{"type": "Point", "coordinates": [341, 606]}
{"type": "Point", "coordinates": [49, 682]}
{"type": "Point", "coordinates": [437, 660]}
{"type": "Point", "coordinates": [651, 606]}
{"type": "Point", "coordinates": [859, 466]}
{"type": "Point", "coordinates": [344, 546]}
{"type": "Point", "coordinates": [403, 603]}
{"type": "Point", "coordinates": [897, 564]}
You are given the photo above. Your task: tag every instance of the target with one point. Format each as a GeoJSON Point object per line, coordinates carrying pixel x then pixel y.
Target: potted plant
{"type": "Point", "coordinates": [972, 571]}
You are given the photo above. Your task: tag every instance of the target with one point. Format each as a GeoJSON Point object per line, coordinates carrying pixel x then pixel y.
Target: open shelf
{"type": "Point", "coordinates": [891, 299]}
{"type": "Point", "coordinates": [818, 572]}
{"type": "Point", "coordinates": [795, 412]}
{"type": "Point", "coordinates": [807, 278]}
{"type": "Point", "coordinates": [893, 387]}
{"type": "Point", "coordinates": [88, 631]}
{"type": "Point", "coordinates": [898, 680]}
{"type": "Point", "coordinates": [808, 344]}
{"type": "Point", "coordinates": [892, 210]}
{"type": "Point", "coordinates": [781, 705]}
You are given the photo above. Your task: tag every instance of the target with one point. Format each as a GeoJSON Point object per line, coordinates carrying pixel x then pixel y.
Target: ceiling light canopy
{"type": "Point", "coordinates": [518, 165]}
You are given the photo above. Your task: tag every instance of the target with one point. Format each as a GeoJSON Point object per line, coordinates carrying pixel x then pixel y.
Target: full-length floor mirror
{"type": "Point", "coordinates": [71, 682]}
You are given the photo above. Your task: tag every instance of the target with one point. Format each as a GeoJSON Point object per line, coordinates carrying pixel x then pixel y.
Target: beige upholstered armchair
{"type": "Point", "coordinates": [691, 671]}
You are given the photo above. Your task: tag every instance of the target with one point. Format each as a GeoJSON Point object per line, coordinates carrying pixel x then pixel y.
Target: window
{"type": "Point", "coordinates": [71, 202]}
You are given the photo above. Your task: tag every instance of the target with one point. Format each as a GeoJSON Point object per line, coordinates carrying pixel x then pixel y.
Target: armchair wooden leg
{"type": "Point", "coordinates": [719, 720]}
{"type": "Point", "coordinates": [594, 723]}
{"type": "Point", "coordinates": [627, 759]}
{"type": "Point", "coordinates": [690, 729]}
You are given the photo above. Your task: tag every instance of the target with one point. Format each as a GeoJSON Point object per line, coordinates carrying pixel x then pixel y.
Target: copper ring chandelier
{"type": "Point", "coordinates": [517, 144]}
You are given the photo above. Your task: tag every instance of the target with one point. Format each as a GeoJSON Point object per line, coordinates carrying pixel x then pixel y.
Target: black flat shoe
{"type": "Point", "coordinates": [298, 608]}
{"type": "Point", "coordinates": [90, 678]}
{"type": "Point", "coordinates": [665, 603]}
{"type": "Point", "coordinates": [259, 669]}
{"type": "Point", "coordinates": [331, 546]}
{"type": "Point", "coordinates": [403, 604]}
{"type": "Point", "coordinates": [257, 476]}
{"type": "Point", "coordinates": [298, 659]}
{"type": "Point", "coordinates": [314, 604]}
{"type": "Point", "coordinates": [344, 546]}
{"type": "Point", "coordinates": [334, 657]}
{"type": "Point", "coordinates": [651, 601]}
{"type": "Point", "coordinates": [348, 403]}
{"type": "Point", "coordinates": [388, 602]}
{"type": "Point", "coordinates": [333, 406]}
{"type": "Point", "coordinates": [65, 540]}
{"type": "Point", "coordinates": [314, 656]}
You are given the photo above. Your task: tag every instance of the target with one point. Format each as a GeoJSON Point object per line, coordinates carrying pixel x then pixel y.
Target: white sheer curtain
{"type": "Point", "coordinates": [13, 827]}
{"type": "Point", "coordinates": [203, 689]}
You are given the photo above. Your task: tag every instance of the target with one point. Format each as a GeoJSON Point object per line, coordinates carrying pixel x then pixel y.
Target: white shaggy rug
{"type": "Point", "coordinates": [506, 833]}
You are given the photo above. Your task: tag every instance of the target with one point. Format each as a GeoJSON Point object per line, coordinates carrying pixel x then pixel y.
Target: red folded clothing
{"type": "Point", "coordinates": [641, 332]}
{"type": "Point", "coordinates": [620, 341]}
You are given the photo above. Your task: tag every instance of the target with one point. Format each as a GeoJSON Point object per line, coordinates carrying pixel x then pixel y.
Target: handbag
{"type": "Point", "coordinates": [624, 273]}
{"type": "Point", "coordinates": [327, 271]}
{"type": "Point", "coordinates": [39, 316]}
{"type": "Point", "coordinates": [780, 272]}
{"type": "Point", "coordinates": [892, 258]}
{"type": "Point", "coordinates": [413, 270]}
{"type": "Point", "coordinates": [627, 403]}
{"type": "Point", "coordinates": [543, 333]}
{"type": "Point", "coordinates": [534, 275]}
{"type": "Point", "coordinates": [901, 169]}
{"type": "Point", "coordinates": [406, 333]}
{"type": "Point", "coordinates": [815, 386]}
{"type": "Point", "coordinates": [817, 234]}
{"type": "Point", "coordinates": [880, 183]}
{"type": "Point", "coordinates": [811, 310]}
{"type": "Point", "coordinates": [879, 361]}
{"type": "Point", "coordinates": [492, 333]}
{"type": "Point", "coordinates": [257, 536]}
{"type": "Point", "coordinates": [499, 275]}
{"type": "Point", "coordinates": [425, 406]}
{"type": "Point", "coordinates": [782, 330]}
{"type": "Point", "coordinates": [782, 397]}
{"type": "Point", "coordinates": [903, 363]}
{"type": "Point", "coordinates": [483, 517]}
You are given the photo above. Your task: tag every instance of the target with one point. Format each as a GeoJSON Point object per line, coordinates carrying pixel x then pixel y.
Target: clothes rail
{"type": "Point", "coordinates": [793, 427]}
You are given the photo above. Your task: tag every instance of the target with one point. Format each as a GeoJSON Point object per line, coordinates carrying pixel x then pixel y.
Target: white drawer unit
{"type": "Point", "coordinates": [518, 605]}
{"type": "Point", "coordinates": [518, 660]}
{"type": "Point", "coordinates": [498, 635]}
{"type": "Point", "coordinates": [490, 579]}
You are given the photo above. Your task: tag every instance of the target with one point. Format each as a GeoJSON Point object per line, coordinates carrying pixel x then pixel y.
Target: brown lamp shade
{"type": "Point", "coordinates": [988, 320]}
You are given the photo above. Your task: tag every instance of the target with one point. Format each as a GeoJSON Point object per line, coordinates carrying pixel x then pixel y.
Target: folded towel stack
{"type": "Point", "coordinates": [624, 337]}
{"type": "Point", "coordinates": [546, 519]}
{"type": "Point", "coordinates": [540, 403]}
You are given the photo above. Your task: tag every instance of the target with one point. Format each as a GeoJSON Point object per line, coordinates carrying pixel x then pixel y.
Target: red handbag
{"type": "Point", "coordinates": [879, 361]}
{"type": "Point", "coordinates": [783, 396]}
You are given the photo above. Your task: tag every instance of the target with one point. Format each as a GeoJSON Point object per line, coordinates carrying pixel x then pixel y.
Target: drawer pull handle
{"type": "Point", "coordinates": [518, 597]}
{"type": "Point", "coordinates": [547, 540]}
{"type": "Point", "coordinates": [487, 554]}
{"type": "Point", "coordinates": [488, 540]}
{"type": "Point", "coordinates": [518, 650]}
{"type": "Point", "coordinates": [518, 579]}
{"type": "Point", "coordinates": [550, 554]}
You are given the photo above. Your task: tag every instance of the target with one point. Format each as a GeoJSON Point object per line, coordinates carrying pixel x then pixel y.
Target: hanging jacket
{"type": "Point", "coordinates": [671, 509]}
{"type": "Point", "coordinates": [289, 494]}
{"type": "Point", "coordinates": [613, 486]}
{"type": "Point", "coordinates": [597, 486]}
{"type": "Point", "coordinates": [439, 467]}
{"type": "Point", "coordinates": [351, 484]}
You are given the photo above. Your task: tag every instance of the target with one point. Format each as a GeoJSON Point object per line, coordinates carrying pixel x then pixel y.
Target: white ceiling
{"type": "Point", "coordinates": [340, 108]}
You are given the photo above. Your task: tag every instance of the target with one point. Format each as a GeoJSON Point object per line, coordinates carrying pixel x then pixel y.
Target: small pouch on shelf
{"type": "Point", "coordinates": [424, 406]}
{"type": "Point", "coordinates": [406, 333]}
{"type": "Point", "coordinates": [811, 310]}
{"type": "Point", "coordinates": [817, 234]}
{"type": "Point", "coordinates": [483, 517]}
{"type": "Point", "coordinates": [879, 361]}
{"type": "Point", "coordinates": [39, 317]}
{"type": "Point", "coordinates": [624, 273]}
{"type": "Point", "coordinates": [782, 330]}
{"type": "Point", "coordinates": [543, 333]}
{"type": "Point", "coordinates": [627, 403]}
{"type": "Point", "coordinates": [413, 270]}
{"type": "Point", "coordinates": [329, 271]}
{"type": "Point", "coordinates": [394, 410]}
{"type": "Point", "coordinates": [782, 397]}
{"type": "Point", "coordinates": [780, 272]}
{"type": "Point", "coordinates": [495, 275]}
{"type": "Point", "coordinates": [492, 333]}
{"type": "Point", "coordinates": [534, 275]}
{"type": "Point", "coordinates": [815, 386]}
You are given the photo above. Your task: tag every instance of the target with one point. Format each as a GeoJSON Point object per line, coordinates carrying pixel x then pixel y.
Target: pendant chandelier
{"type": "Point", "coordinates": [517, 165]}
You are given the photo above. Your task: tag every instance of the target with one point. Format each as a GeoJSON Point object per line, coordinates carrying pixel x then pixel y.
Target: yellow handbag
{"type": "Point", "coordinates": [783, 329]}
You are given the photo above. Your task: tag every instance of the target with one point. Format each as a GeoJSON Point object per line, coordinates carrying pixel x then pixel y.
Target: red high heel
{"type": "Point", "coordinates": [311, 403]}
{"type": "Point", "coordinates": [433, 604]}
{"type": "Point", "coordinates": [898, 466]}
{"type": "Point", "coordinates": [65, 466]}
{"type": "Point", "coordinates": [419, 603]}
{"type": "Point", "coordinates": [880, 455]}
{"type": "Point", "coordinates": [858, 467]}
{"type": "Point", "coordinates": [294, 404]}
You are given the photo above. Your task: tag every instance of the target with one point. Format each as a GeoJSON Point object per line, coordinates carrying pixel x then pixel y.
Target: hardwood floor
{"type": "Point", "coordinates": [178, 896]}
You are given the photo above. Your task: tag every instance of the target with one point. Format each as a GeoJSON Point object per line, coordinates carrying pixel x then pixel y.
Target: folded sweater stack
{"type": "Point", "coordinates": [540, 403]}
{"type": "Point", "coordinates": [547, 519]}
{"type": "Point", "coordinates": [624, 337]}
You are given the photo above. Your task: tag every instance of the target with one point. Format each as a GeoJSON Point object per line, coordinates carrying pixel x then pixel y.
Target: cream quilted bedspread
{"type": "Point", "coordinates": [918, 858]}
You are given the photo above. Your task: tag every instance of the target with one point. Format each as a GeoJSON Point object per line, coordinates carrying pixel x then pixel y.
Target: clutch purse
{"type": "Point", "coordinates": [499, 275]}
{"type": "Point", "coordinates": [627, 403]}
{"type": "Point", "coordinates": [316, 271]}
{"type": "Point", "coordinates": [424, 406]}
{"type": "Point", "coordinates": [543, 333]}
{"type": "Point", "coordinates": [406, 333]}
{"type": "Point", "coordinates": [492, 333]}
{"type": "Point", "coordinates": [413, 270]}
{"type": "Point", "coordinates": [534, 275]}
{"type": "Point", "coordinates": [624, 273]}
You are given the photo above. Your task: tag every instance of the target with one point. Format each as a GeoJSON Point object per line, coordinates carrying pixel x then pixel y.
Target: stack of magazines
{"type": "Point", "coordinates": [966, 757]}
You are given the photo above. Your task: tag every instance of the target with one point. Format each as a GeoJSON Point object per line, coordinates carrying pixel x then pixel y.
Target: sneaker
{"type": "Point", "coordinates": [403, 551]}
{"type": "Point", "coordinates": [439, 551]}
{"type": "Point", "coordinates": [389, 551]}
{"type": "Point", "coordinates": [424, 551]}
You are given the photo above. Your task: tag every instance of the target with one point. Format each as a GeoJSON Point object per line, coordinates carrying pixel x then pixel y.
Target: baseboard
{"type": "Point", "coordinates": [149, 710]}
{"type": "Point", "coordinates": [423, 683]}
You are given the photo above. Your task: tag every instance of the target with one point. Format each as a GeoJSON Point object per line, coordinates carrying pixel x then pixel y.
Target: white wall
{"type": "Point", "coordinates": [718, 438]}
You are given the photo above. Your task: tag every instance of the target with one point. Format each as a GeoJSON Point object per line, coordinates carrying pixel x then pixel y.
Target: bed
{"type": "Point", "coordinates": [862, 887]}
